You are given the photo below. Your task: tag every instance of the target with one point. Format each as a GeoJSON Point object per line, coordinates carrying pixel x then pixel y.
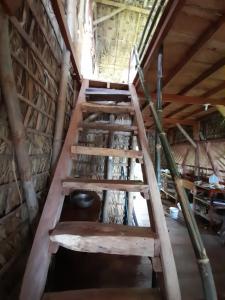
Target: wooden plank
{"type": "Point", "coordinates": [201, 41]}
{"type": "Point", "coordinates": [103, 91]}
{"type": "Point", "coordinates": [39, 259]}
{"type": "Point", "coordinates": [98, 151]}
{"type": "Point", "coordinates": [108, 127]}
{"type": "Point", "coordinates": [171, 282]}
{"type": "Point", "coordinates": [110, 109]}
{"type": "Point", "coordinates": [104, 184]}
{"type": "Point", "coordinates": [215, 67]}
{"type": "Point", "coordinates": [61, 19]}
{"type": "Point", "coordinates": [215, 90]}
{"type": "Point", "coordinates": [121, 5]}
{"type": "Point", "coordinates": [96, 237]}
{"type": "Point", "coordinates": [103, 94]}
{"type": "Point", "coordinates": [106, 293]}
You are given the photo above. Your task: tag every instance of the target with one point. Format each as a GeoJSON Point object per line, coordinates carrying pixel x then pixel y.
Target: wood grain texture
{"type": "Point", "coordinates": [105, 238]}
{"type": "Point", "coordinates": [98, 151]}
{"type": "Point", "coordinates": [104, 184]}
{"type": "Point", "coordinates": [109, 109]}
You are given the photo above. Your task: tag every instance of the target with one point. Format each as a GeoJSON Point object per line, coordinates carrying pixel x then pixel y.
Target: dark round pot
{"type": "Point", "coordinates": [82, 199]}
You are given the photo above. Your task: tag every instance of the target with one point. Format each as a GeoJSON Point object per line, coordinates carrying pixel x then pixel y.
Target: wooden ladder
{"type": "Point", "coordinates": [95, 237]}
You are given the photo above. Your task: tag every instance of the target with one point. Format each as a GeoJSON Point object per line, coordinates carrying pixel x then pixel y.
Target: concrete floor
{"type": "Point", "coordinates": [188, 274]}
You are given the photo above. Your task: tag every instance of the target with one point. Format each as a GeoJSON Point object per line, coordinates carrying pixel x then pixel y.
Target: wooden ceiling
{"type": "Point", "coordinates": [193, 36]}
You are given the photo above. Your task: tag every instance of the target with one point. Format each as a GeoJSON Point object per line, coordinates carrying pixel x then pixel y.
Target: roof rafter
{"type": "Point", "coordinates": [125, 6]}
{"type": "Point", "coordinates": [201, 41]}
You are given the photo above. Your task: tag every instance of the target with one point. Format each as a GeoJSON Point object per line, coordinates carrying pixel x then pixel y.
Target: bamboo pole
{"type": "Point", "coordinates": [186, 135]}
{"type": "Point", "coordinates": [61, 106]}
{"type": "Point", "coordinates": [8, 87]}
{"type": "Point", "coordinates": [200, 251]}
{"type": "Point", "coordinates": [159, 112]}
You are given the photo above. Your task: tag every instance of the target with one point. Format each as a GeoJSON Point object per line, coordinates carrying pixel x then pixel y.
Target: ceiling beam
{"type": "Point", "coordinates": [104, 18]}
{"type": "Point", "coordinates": [182, 99]}
{"type": "Point", "coordinates": [174, 121]}
{"type": "Point", "coordinates": [61, 19]}
{"type": "Point", "coordinates": [201, 41]}
{"type": "Point", "coordinates": [218, 65]}
{"type": "Point", "coordinates": [125, 6]}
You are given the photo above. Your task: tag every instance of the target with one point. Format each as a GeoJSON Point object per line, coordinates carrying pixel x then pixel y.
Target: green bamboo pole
{"type": "Point", "coordinates": [159, 112]}
{"type": "Point", "coordinates": [200, 252]}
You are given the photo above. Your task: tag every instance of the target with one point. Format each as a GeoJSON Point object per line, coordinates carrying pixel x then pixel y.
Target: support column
{"type": "Point", "coordinates": [159, 112]}
{"type": "Point", "coordinates": [9, 92]}
{"type": "Point", "coordinates": [196, 137]}
{"type": "Point", "coordinates": [61, 106]}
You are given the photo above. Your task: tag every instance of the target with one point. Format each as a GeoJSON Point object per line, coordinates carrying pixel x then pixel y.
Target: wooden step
{"type": "Point", "coordinates": [108, 127]}
{"type": "Point", "coordinates": [96, 237]}
{"type": "Point", "coordinates": [103, 94]}
{"type": "Point", "coordinates": [97, 151]}
{"type": "Point", "coordinates": [109, 109]}
{"type": "Point", "coordinates": [106, 294]}
{"type": "Point", "coordinates": [104, 184]}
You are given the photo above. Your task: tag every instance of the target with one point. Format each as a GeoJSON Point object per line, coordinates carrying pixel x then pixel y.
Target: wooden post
{"type": "Point", "coordinates": [61, 106]}
{"type": "Point", "coordinates": [8, 87]}
{"type": "Point", "coordinates": [196, 137]}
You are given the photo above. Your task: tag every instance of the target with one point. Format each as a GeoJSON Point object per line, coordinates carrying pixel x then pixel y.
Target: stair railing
{"type": "Point", "coordinates": [197, 243]}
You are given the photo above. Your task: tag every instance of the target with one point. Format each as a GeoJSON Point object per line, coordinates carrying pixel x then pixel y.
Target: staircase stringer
{"type": "Point", "coordinates": [171, 282]}
{"type": "Point", "coordinates": [38, 263]}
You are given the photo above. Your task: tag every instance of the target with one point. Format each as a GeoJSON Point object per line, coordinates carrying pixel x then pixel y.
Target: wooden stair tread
{"type": "Point", "coordinates": [104, 184]}
{"type": "Point", "coordinates": [96, 237]}
{"type": "Point", "coordinates": [110, 109]}
{"type": "Point", "coordinates": [105, 91]}
{"type": "Point", "coordinates": [98, 151]}
{"type": "Point", "coordinates": [108, 127]}
{"type": "Point", "coordinates": [106, 293]}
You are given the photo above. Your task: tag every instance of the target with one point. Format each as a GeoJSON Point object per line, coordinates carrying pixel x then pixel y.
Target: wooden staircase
{"type": "Point", "coordinates": [94, 237]}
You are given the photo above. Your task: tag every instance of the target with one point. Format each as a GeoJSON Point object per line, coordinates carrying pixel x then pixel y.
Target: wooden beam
{"type": "Point", "coordinates": [201, 41]}
{"type": "Point", "coordinates": [108, 293]}
{"type": "Point", "coordinates": [215, 67]}
{"type": "Point", "coordinates": [108, 127]}
{"type": "Point", "coordinates": [61, 19]}
{"type": "Point", "coordinates": [104, 18]}
{"type": "Point", "coordinates": [96, 237]}
{"type": "Point", "coordinates": [109, 109]}
{"type": "Point", "coordinates": [105, 152]}
{"type": "Point", "coordinates": [125, 6]}
{"type": "Point", "coordinates": [172, 121]}
{"type": "Point", "coordinates": [104, 184]}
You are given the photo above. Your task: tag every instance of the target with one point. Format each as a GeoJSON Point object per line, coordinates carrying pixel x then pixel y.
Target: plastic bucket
{"type": "Point", "coordinates": [174, 212]}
